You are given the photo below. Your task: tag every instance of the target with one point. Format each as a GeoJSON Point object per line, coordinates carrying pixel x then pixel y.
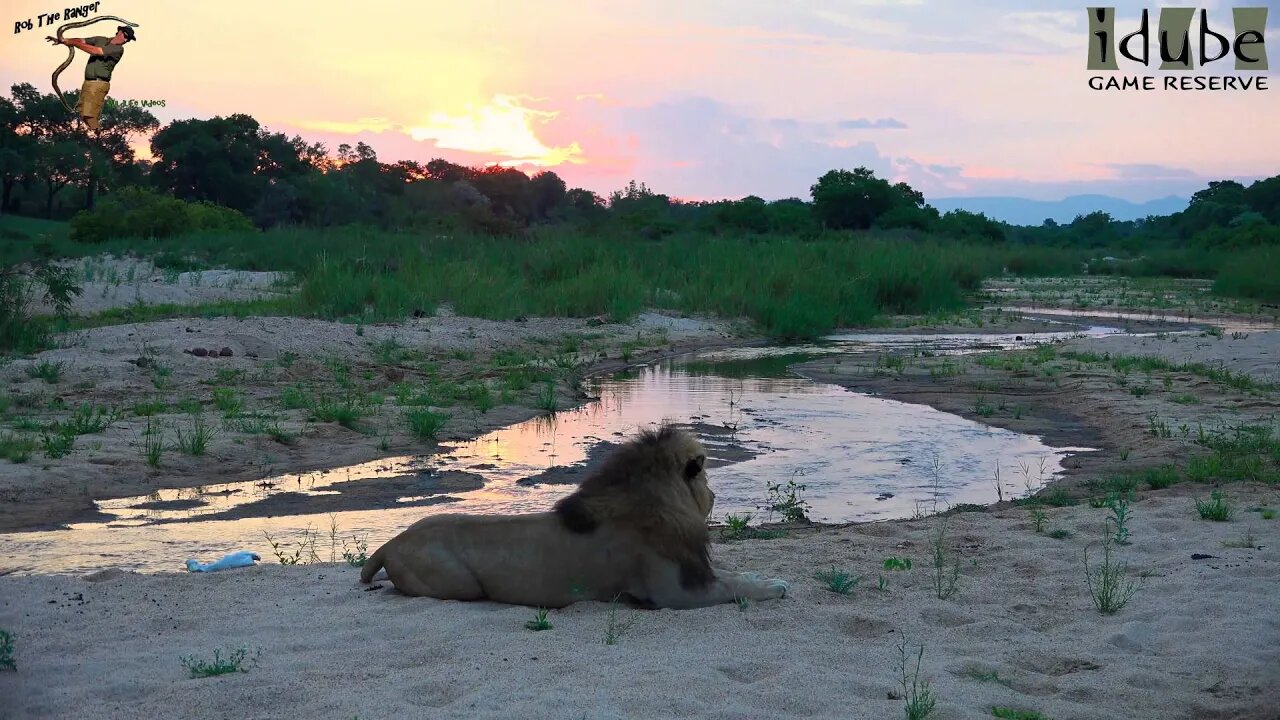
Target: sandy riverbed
{"type": "Point", "coordinates": [1201, 639]}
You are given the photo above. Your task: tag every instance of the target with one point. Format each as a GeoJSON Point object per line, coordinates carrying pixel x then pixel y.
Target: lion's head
{"type": "Point", "coordinates": [656, 485]}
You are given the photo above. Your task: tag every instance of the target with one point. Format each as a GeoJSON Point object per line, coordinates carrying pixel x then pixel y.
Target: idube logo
{"type": "Point", "coordinates": [1179, 35]}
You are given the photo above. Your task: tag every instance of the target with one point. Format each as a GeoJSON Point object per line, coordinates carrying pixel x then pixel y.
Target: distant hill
{"type": "Point", "coordinates": [1021, 211]}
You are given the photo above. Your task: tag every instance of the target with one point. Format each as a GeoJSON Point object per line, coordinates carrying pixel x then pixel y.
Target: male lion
{"type": "Point", "coordinates": [636, 528]}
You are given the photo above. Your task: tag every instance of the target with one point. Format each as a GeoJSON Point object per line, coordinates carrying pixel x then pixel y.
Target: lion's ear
{"type": "Point", "coordinates": [693, 467]}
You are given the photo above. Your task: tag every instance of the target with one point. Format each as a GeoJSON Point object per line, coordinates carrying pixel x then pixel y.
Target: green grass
{"type": "Point", "coordinates": [1125, 364]}
{"type": "Point", "coordinates": [344, 411]}
{"type": "Point", "coordinates": [737, 528]}
{"type": "Point", "coordinates": [195, 441]}
{"type": "Point", "coordinates": [149, 407]}
{"type": "Point", "coordinates": [58, 443]}
{"type": "Point", "coordinates": [89, 419]}
{"type": "Point", "coordinates": [1215, 508]}
{"type": "Point", "coordinates": [228, 401]}
{"type": "Point", "coordinates": [1108, 583]}
{"type": "Point", "coordinates": [17, 448]}
{"type": "Point", "coordinates": [50, 372]}
{"type": "Point", "coordinates": [1007, 713]}
{"type": "Point", "coordinates": [539, 621]}
{"type": "Point", "coordinates": [424, 423]}
{"type": "Point", "coordinates": [791, 288]}
{"type": "Point", "coordinates": [838, 581]}
{"type": "Point", "coordinates": [1251, 274]}
{"type": "Point", "coordinates": [6, 651]}
{"type": "Point", "coordinates": [235, 661]}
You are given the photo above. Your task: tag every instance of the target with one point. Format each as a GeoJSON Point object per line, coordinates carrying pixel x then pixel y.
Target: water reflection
{"type": "Point", "coordinates": [861, 458]}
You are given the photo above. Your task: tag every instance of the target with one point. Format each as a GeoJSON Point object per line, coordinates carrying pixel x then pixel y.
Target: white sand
{"type": "Point", "coordinates": [1200, 640]}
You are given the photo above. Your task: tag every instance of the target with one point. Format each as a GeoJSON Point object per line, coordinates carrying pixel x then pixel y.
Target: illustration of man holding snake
{"type": "Point", "coordinates": [104, 54]}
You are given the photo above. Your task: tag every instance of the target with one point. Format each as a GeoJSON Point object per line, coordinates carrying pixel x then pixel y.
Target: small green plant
{"type": "Point", "coordinates": [897, 563]}
{"type": "Point", "coordinates": [540, 622]}
{"type": "Point", "coordinates": [547, 397]}
{"type": "Point", "coordinates": [736, 526]}
{"type": "Point", "coordinates": [149, 408]}
{"type": "Point", "coordinates": [294, 397]}
{"type": "Point", "coordinates": [58, 443]}
{"type": "Point", "coordinates": [945, 583]}
{"type": "Point", "coordinates": [50, 372]}
{"type": "Point", "coordinates": [882, 585]}
{"type": "Point", "coordinates": [787, 500]}
{"type": "Point", "coordinates": [1060, 534]}
{"type": "Point", "coordinates": [89, 419]}
{"type": "Point", "coordinates": [6, 651]}
{"type": "Point", "coordinates": [304, 552]}
{"type": "Point", "coordinates": [838, 581]}
{"type": "Point", "coordinates": [1007, 713]}
{"type": "Point", "coordinates": [235, 661]}
{"type": "Point", "coordinates": [1119, 519]}
{"type": "Point", "coordinates": [228, 401]}
{"type": "Point", "coordinates": [617, 628]}
{"type": "Point", "coordinates": [1216, 508]}
{"type": "Point", "coordinates": [1268, 514]}
{"type": "Point", "coordinates": [153, 443]}
{"type": "Point", "coordinates": [1038, 518]}
{"type": "Point", "coordinates": [424, 423]}
{"type": "Point", "coordinates": [1247, 540]}
{"type": "Point", "coordinates": [357, 553]}
{"type": "Point", "coordinates": [1108, 583]}
{"type": "Point", "coordinates": [916, 693]}
{"type": "Point", "coordinates": [194, 441]}
{"type": "Point", "coordinates": [16, 448]}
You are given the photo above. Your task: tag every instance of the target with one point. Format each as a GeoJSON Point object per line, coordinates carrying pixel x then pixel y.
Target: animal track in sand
{"type": "Point", "coordinates": [863, 628]}
{"type": "Point", "coordinates": [945, 617]}
{"type": "Point", "coordinates": [435, 694]}
{"type": "Point", "coordinates": [750, 672]}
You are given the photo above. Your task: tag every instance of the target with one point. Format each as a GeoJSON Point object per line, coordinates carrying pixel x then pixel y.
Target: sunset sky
{"type": "Point", "coordinates": [700, 99]}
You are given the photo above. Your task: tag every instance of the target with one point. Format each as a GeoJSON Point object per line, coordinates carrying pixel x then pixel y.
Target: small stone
{"type": "Point", "coordinates": [211, 352]}
{"type": "Point", "coordinates": [199, 352]}
{"type": "Point", "coordinates": [226, 352]}
{"type": "Point", "coordinates": [1202, 556]}
{"type": "Point", "coordinates": [190, 330]}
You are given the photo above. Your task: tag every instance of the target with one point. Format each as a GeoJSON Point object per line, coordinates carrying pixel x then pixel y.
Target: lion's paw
{"type": "Point", "coordinates": [778, 585]}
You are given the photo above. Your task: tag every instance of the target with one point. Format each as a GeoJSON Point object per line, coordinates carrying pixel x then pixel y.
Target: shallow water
{"type": "Point", "coordinates": [860, 458]}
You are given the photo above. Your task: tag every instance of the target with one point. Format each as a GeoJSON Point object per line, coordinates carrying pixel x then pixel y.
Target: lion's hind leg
{"type": "Point", "coordinates": [437, 575]}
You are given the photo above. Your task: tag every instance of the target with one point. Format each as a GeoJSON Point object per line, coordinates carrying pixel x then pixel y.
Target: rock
{"type": "Point", "coordinates": [522, 318]}
{"type": "Point", "coordinates": [226, 352]}
{"type": "Point", "coordinates": [1202, 556]}
{"type": "Point", "coordinates": [596, 321]}
{"type": "Point", "coordinates": [199, 352]}
{"type": "Point", "coordinates": [1018, 338]}
{"type": "Point", "coordinates": [190, 330]}
{"type": "Point", "coordinates": [211, 352]}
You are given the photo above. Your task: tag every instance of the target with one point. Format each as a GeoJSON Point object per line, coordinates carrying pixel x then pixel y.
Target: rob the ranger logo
{"type": "Point", "coordinates": [1179, 35]}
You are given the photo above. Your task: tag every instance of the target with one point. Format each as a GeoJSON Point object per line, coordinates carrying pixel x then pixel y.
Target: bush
{"type": "Point", "coordinates": [138, 212]}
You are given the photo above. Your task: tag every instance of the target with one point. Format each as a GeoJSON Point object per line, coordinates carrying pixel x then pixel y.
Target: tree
{"type": "Point", "coordinates": [750, 214]}
{"type": "Point", "coordinates": [227, 160]}
{"type": "Point", "coordinates": [548, 193]}
{"type": "Point", "coordinates": [847, 200]}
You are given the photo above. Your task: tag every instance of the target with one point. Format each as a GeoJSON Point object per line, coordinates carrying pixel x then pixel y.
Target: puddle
{"type": "Point", "coordinates": [861, 458]}
{"type": "Point", "coordinates": [1226, 324]}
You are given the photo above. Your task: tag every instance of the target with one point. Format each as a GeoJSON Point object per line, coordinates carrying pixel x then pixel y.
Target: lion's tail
{"type": "Point", "coordinates": [372, 565]}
